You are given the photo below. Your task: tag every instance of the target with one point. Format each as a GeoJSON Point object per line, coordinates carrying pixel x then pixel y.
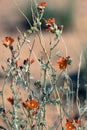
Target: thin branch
{"type": "Point", "coordinates": [78, 85]}
{"type": "Point", "coordinates": [22, 13]}
{"type": "Point", "coordinates": [64, 45]}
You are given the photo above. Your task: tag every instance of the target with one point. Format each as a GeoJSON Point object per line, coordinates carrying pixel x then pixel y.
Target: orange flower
{"type": "Point", "coordinates": [32, 104]}
{"type": "Point", "coordinates": [70, 124]}
{"type": "Point", "coordinates": [11, 100]}
{"type": "Point", "coordinates": [62, 62]}
{"type": "Point", "coordinates": [50, 24]}
{"type": "Point", "coordinates": [32, 61]}
{"type": "Point", "coordinates": [17, 62]}
{"type": "Point", "coordinates": [50, 21]}
{"type": "Point", "coordinates": [42, 5]}
{"type": "Point", "coordinates": [28, 61]}
{"type": "Point", "coordinates": [7, 41]}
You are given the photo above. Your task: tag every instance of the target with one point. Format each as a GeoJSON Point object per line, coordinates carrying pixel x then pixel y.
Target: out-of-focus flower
{"type": "Point", "coordinates": [11, 100]}
{"type": "Point", "coordinates": [32, 61]}
{"type": "Point", "coordinates": [17, 62]}
{"type": "Point", "coordinates": [52, 27]}
{"type": "Point", "coordinates": [7, 41]}
{"type": "Point", "coordinates": [71, 124]}
{"type": "Point", "coordinates": [2, 67]}
{"type": "Point", "coordinates": [62, 62]}
{"type": "Point", "coordinates": [50, 21]}
{"type": "Point", "coordinates": [50, 24]}
{"type": "Point", "coordinates": [28, 61]}
{"type": "Point", "coordinates": [42, 5]}
{"type": "Point", "coordinates": [32, 104]}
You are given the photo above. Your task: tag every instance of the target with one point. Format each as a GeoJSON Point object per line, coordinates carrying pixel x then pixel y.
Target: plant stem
{"type": "Point", "coordinates": [44, 89]}
{"type": "Point", "coordinates": [77, 96]}
{"type": "Point", "coordinates": [15, 110]}
{"type": "Point", "coordinates": [45, 52]}
{"type": "Point", "coordinates": [3, 105]}
{"type": "Point", "coordinates": [3, 88]}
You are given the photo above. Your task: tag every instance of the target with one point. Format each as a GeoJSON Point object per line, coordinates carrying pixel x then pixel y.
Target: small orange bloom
{"type": "Point", "coordinates": [32, 61]}
{"type": "Point", "coordinates": [7, 41]}
{"type": "Point", "coordinates": [17, 62]}
{"type": "Point", "coordinates": [11, 100]}
{"type": "Point", "coordinates": [70, 124]}
{"type": "Point", "coordinates": [50, 24]}
{"type": "Point", "coordinates": [28, 61]}
{"type": "Point", "coordinates": [62, 62]}
{"type": "Point", "coordinates": [50, 21]}
{"type": "Point", "coordinates": [32, 104]}
{"type": "Point", "coordinates": [42, 5]}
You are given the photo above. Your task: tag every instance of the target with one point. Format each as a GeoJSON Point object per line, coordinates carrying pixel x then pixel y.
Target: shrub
{"type": "Point", "coordinates": [31, 113]}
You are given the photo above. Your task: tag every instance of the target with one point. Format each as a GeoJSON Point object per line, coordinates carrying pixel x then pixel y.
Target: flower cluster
{"type": "Point", "coordinates": [52, 27]}
{"type": "Point", "coordinates": [31, 104]}
{"type": "Point", "coordinates": [7, 41]}
{"type": "Point", "coordinates": [71, 124]}
{"type": "Point", "coordinates": [63, 62]}
{"type": "Point", "coordinates": [41, 6]}
{"type": "Point", "coordinates": [27, 61]}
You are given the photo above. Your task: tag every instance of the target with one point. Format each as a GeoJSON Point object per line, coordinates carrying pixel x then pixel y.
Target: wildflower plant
{"type": "Point", "coordinates": [31, 113]}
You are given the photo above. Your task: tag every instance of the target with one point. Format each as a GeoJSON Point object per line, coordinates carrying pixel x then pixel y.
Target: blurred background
{"type": "Point", "coordinates": [70, 13]}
